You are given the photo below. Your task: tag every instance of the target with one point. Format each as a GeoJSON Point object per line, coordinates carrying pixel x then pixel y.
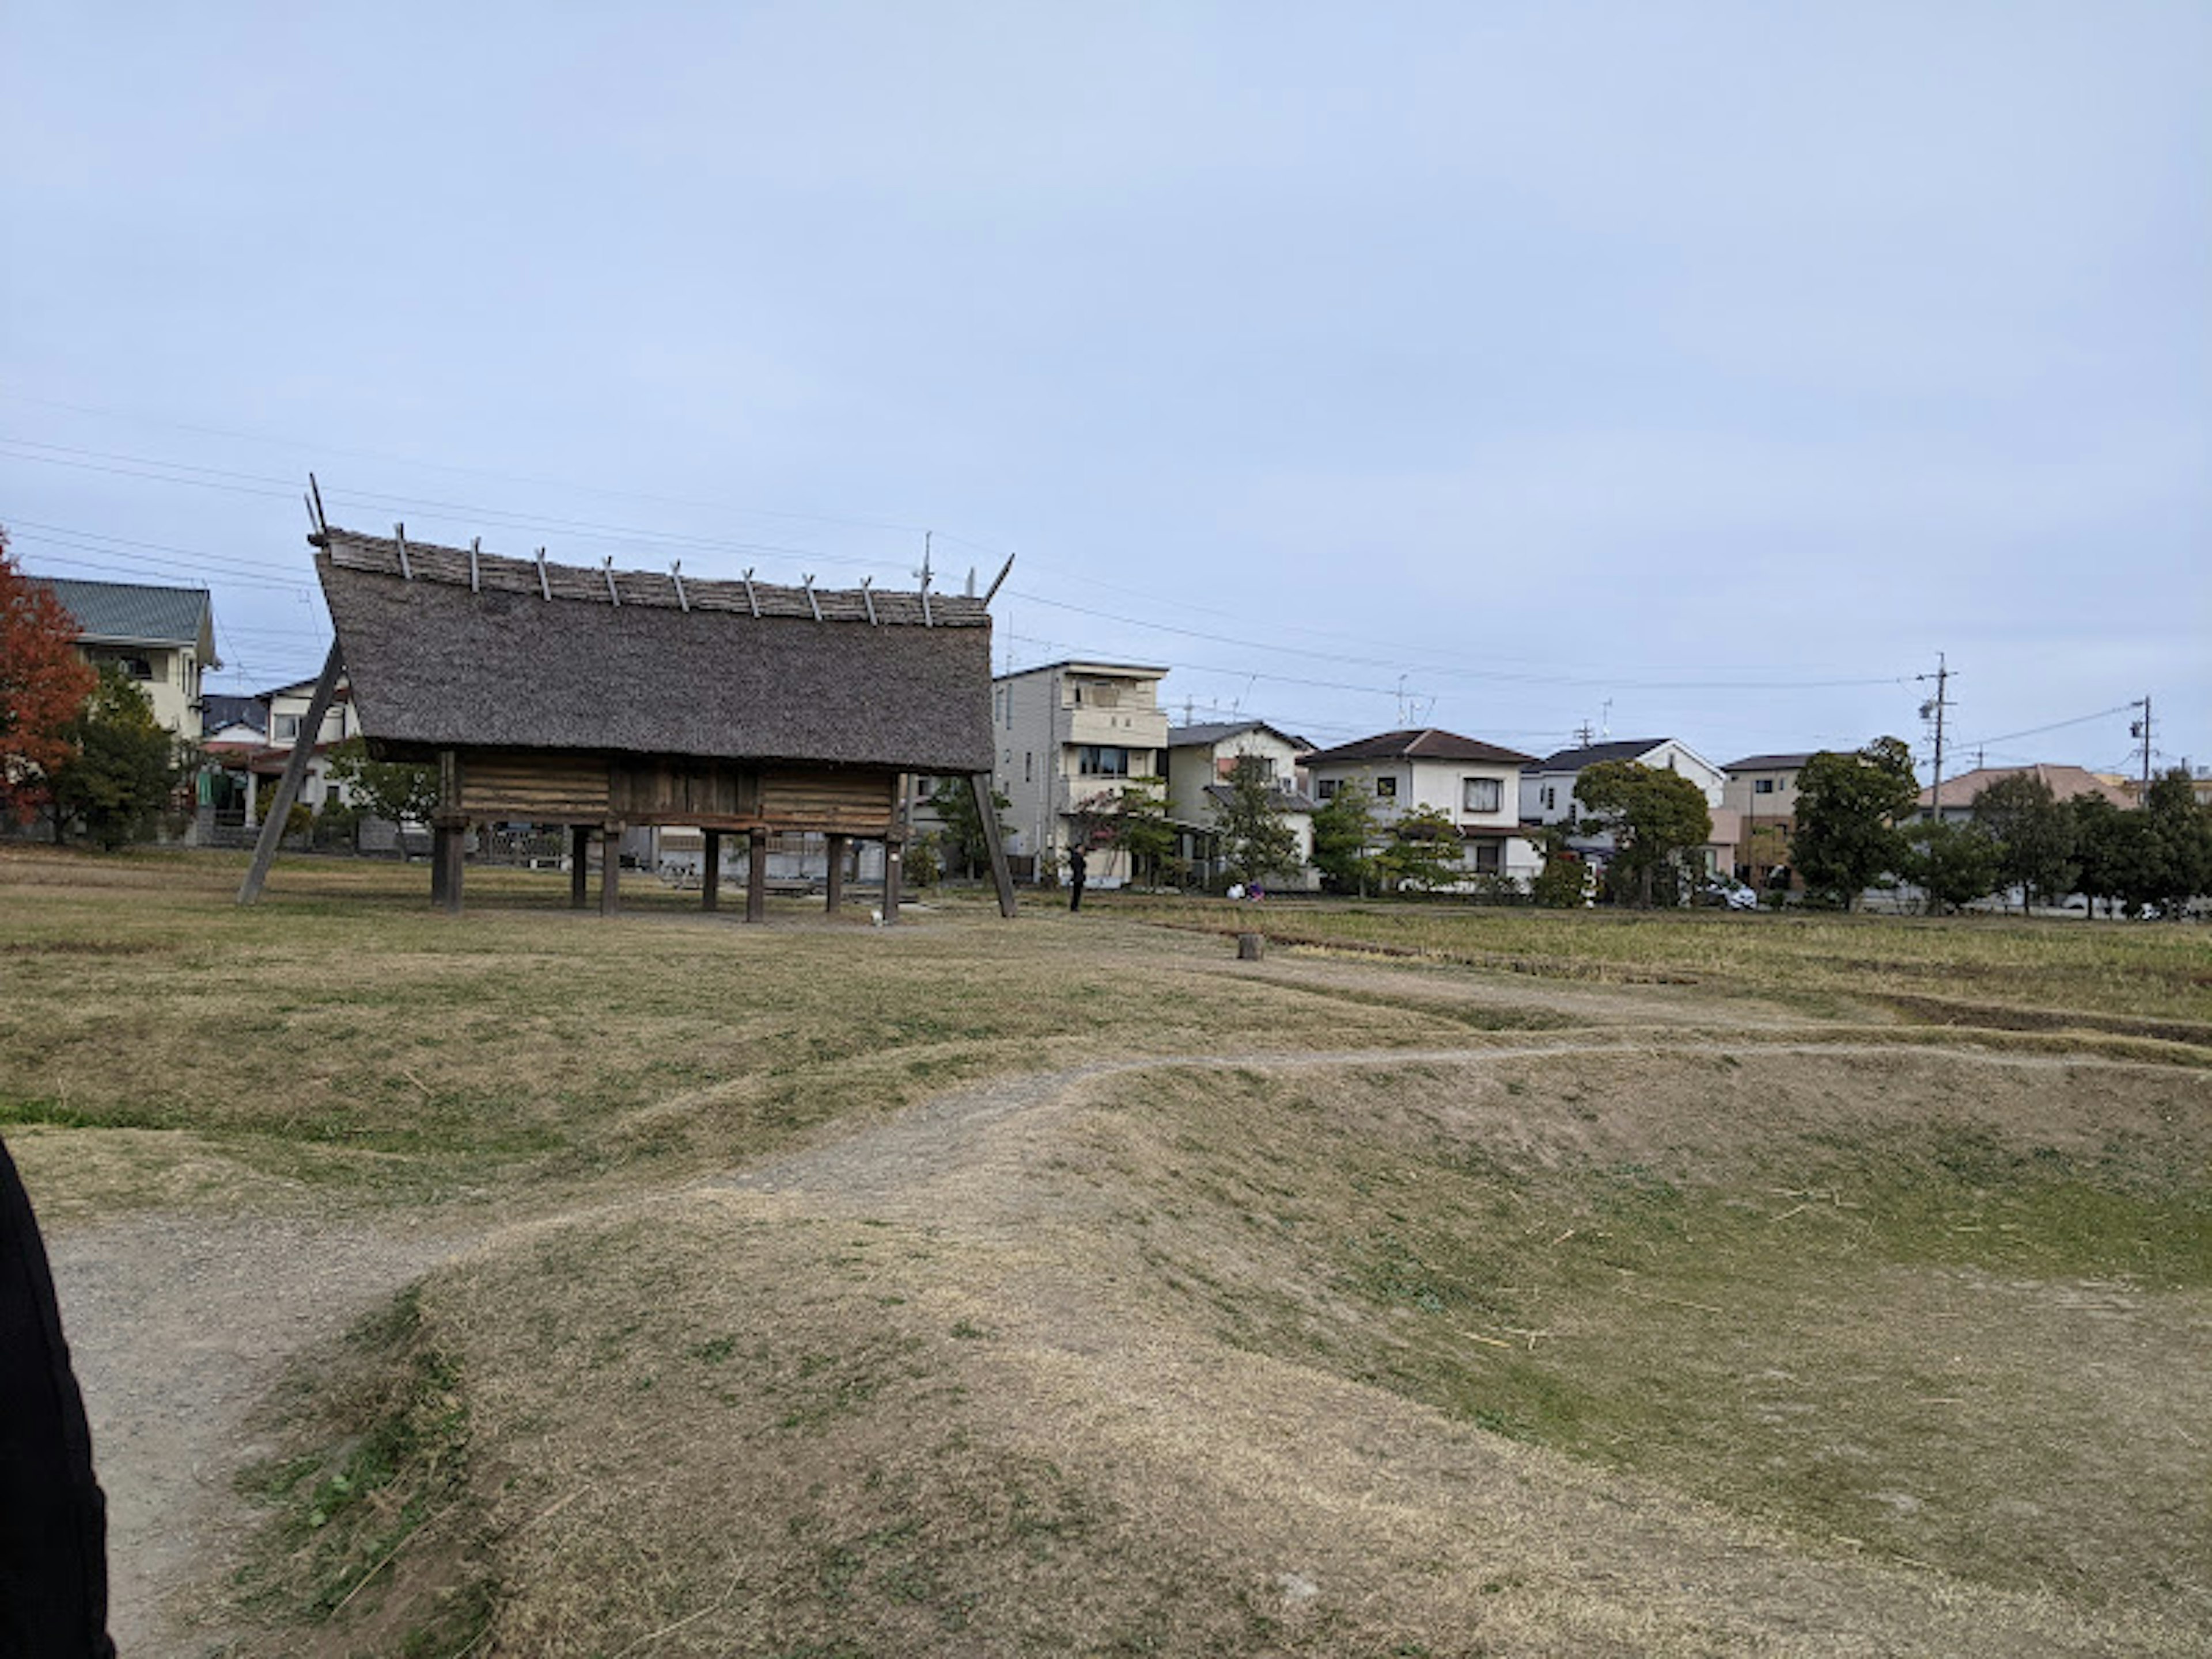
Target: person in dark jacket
{"type": "Point", "coordinates": [1077, 867]}
{"type": "Point", "coordinates": [53, 1518]}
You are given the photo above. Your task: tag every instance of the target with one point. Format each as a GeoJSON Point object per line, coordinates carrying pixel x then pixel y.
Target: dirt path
{"type": "Point", "coordinates": [180, 1324]}
{"type": "Point", "coordinates": [177, 1325]}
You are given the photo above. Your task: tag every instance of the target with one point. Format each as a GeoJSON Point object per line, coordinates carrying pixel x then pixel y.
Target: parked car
{"type": "Point", "coordinates": [1728, 894]}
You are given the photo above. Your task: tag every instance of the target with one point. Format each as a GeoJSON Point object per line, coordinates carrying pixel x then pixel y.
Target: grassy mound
{"type": "Point", "coordinates": [1596, 1353]}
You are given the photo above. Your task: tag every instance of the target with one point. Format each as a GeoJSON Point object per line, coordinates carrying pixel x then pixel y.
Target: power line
{"type": "Point", "coordinates": [618, 535]}
{"type": "Point", "coordinates": [1496, 676]}
{"type": "Point", "coordinates": [2055, 726]}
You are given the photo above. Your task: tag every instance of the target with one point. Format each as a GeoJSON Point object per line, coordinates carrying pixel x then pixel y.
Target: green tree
{"type": "Point", "coordinates": [401, 791]}
{"type": "Point", "coordinates": [1564, 882]}
{"type": "Point", "coordinates": [1137, 824]}
{"type": "Point", "coordinates": [1847, 805]}
{"type": "Point", "coordinates": [1657, 819]}
{"type": "Point", "coordinates": [124, 767]}
{"type": "Point", "coordinates": [1258, 842]}
{"type": "Point", "coordinates": [953, 799]}
{"type": "Point", "coordinates": [2102, 850]}
{"type": "Point", "coordinates": [1343, 839]}
{"type": "Point", "coordinates": [2034, 833]}
{"type": "Point", "coordinates": [2181, 843]}
{"type": "Point", "coordinates": [1423, 852]}
{"type": "Point", "coordinates": [1954, 863]}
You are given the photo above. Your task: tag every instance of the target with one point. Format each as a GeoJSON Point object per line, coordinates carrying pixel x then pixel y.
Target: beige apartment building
{"type": "Point", "coordinates": [1068, 734]}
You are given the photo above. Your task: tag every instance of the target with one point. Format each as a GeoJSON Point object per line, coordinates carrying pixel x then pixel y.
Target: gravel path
{"type": "Point", "coordinates": [177, 1326]}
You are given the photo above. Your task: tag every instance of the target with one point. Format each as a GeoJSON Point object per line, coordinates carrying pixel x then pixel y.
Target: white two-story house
{"type": "Point", "coordinates": [287, 707]}
{"type": "Point", "coordinates": [1202, 757]}
{"type": "Point", "coordinates": [1476, 784]}
{"type": "Point", "coordinates": [1072, 735]}
{"type": "Point", "coordinates": [1548, 790]}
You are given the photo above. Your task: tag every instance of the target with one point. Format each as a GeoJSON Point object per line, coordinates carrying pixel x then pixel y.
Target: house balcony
{"type": "Point", "coordinates": [1126, 728]}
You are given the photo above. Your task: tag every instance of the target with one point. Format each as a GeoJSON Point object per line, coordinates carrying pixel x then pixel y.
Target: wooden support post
{"type": "Point", "coordinates": [610, 869]}
{"type": "Point", "coordinates": [987, 808]}
{"type": "Point", "coordinates": [295, 774]}
{"type": "Point", "coordinates": [836, 881]}
{"type": "Point", "coordinates": [895, 854]}
{"type": "Point", "coordinates": [579, 865]}
{"type": "Point", "coordinates": [756, 875]}
{"type": "Point", "coordinates": [448, 836]}
{"type": "Point", "coordinates": [449, 842]}
{"type": "Point", "coordinates": [710, 884]}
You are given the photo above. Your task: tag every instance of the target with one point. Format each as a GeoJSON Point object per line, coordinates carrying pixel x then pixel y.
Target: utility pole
{"type": "Point", "coordinates": [2142, 729]}
{"type": "Point", "coordinates": [1936, 705]}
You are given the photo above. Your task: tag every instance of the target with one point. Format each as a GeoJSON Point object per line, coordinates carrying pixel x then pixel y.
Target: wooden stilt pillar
{"type": "Point", "coordinates": [836, 881]}
{"type": "Point", "coordinates": [986, 809]}
{"type": "Point", "coordinates": [579, 865]}
{"type": "Point", "coordinates": [449, 845]}
{"type": "Point", "coordinates": [710, 883]}
{"type": "Point", "coordinates": [895, 856]}
{"type": "Point", "coordinates": [611, 869]}
{"type": "Point", "coordinates": [756, 875]}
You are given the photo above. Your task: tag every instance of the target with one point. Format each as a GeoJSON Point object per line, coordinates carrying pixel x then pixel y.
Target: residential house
{"type": "Point", "coordinates": [1547, 792]}
{"type": "Point", "coordinates": [1761, 790]}
{"type": "Point", "coordinates": [1200, 759]}
{"type": "Point", "coordinates": [162, 637]}
{"type": "Point", "coordinates": [287, 707]}
{"type": "Point", "coordinates": [2065, 783]}
{"type": "Point", "coordinates": [1071, 736]}
{"type": "Point", "coordinates": [1474, 784]}
{"type": "Point", "coordinates": [234, 730]}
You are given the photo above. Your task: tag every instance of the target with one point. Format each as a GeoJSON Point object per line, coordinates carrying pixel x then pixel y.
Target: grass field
{"type": "Point", "coordinates": [1448, 1282]}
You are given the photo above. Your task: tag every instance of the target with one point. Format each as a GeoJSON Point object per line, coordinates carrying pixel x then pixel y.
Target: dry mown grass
{"type": "Point", "coordinates": [1588, 1354]}
{"type": "Point", "coordinates": [1944, 971]}
{"type": "Point", "coordinates": [1745, 1333]}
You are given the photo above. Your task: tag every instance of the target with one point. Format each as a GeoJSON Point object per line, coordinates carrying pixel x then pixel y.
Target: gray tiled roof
{"type": "Point", "coordinates": [1766, 763]}
{"type": "Point", "coordinates": [1219, 731]}
{"type": "Point", "coordinates": [1573, 760]}
{"type": "Point", "coordinates": [128, 613]}
{"type": "Point", "coordinates": [1426, 743]}
{"type": "Point", "coordinates": [221, 709]}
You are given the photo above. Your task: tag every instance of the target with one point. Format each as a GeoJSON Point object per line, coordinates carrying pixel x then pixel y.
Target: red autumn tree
{"type": "Point", "coordinates": [43, 684]}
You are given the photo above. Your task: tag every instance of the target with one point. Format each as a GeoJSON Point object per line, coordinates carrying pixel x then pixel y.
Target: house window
{"type": "Point", "coordinates": [1762, 786]}
{"type": "Point", "coordinates": [1029, 766]}
{"type": "Point", "coordinates": [1490, 856]}
{"type": "Point", "coordinates": [1483, 794]}
{"type": "Point", "coordinates": [1103, 760]}
{"type": "Point", "coordinates": [1386, 788]}
{"type": "Point", "coordinates": [288, 728]}
{"type": "Point", "coordinates": [1326, 788]}
{"type": "Point", "coordinates": [1551, 797]}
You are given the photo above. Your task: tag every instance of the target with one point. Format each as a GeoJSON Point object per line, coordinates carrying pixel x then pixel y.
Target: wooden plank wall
{"type": "Point", "coordinates": [835, 802]}
{"type": "Point", "coordinates": [556, 787]}
{"type": "Point", "coordinates": [677, 791]}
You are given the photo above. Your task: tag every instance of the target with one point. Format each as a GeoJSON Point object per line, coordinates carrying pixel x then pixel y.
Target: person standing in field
{"type": "Point", "coordinates": [1079, 867]}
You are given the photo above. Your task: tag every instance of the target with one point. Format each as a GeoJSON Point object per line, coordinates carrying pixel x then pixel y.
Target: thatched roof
{"type": "Point", "coordinates": [523, 654]}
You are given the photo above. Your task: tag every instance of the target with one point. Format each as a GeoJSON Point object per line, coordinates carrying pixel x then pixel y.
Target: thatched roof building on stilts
{"type": "Point", "coordinates": [603, 699]}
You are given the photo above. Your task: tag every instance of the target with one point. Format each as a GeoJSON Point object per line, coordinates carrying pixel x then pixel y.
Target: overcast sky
{"type": "Point", "coordinates": [1698, 370]}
